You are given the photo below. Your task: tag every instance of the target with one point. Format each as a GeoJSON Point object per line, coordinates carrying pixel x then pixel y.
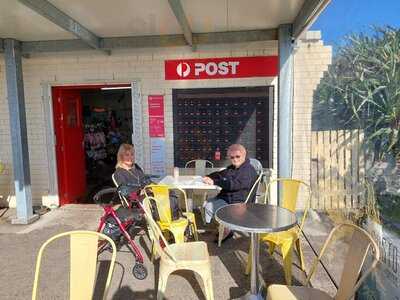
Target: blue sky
{"type": "Point", "coordinates": [343, 17]}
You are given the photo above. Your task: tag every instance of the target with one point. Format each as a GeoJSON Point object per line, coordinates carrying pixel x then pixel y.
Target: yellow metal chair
{"type": "Point", "coordinates": [361, 244]}
{"type": "Point", "coordinates": [289, 239]}
{"type": "Point", "coordinates": [176, 227]}
{"type": "Point", "coordinates": [1, 168]}
{"type": "Point", "coordinates": [192, 256]}
{"type": "Point", "coordinates": [83, 258]}
{"type": "Point", "coordinates": [252, 193]}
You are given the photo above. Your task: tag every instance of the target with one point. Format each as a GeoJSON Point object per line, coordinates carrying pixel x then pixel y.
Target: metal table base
{"type": "Point", "coordinates": [255, 291]}
{"type": "Point", "coordinates": [255, 218]}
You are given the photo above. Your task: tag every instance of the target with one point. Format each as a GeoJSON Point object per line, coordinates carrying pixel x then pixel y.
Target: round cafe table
{"type": "Point", "coordinates": [255, 218]}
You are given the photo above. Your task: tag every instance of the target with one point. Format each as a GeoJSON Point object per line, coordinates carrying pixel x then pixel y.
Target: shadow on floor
{"type": "Point", "coordinates": [233, 254]}
{"type": "Point", "coordinates": [126, 292]}
{"type": "Point", "coordinates": [102, 272]}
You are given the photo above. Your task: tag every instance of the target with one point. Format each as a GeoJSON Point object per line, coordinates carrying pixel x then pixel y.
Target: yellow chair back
{"type": "Point", "coordinates": [289, 190]}
{"type": "Point", "coordinates": [155, 231]}
{"type": "Point", "coordinates": [161, 198]}
{"type": "Point", "coordinates": [361, 243]}
{"type": "Point", "coordinates": [83, 260]}
{"type": "Point", "coordinates": [1, 168]}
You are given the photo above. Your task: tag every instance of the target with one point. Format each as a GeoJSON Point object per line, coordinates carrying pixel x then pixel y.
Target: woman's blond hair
{"type": "Point", "coordinates": [121, 151]}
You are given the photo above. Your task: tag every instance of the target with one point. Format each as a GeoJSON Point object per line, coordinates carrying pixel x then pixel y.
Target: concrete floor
{"type": "Point", "coordinates": [20, 244]}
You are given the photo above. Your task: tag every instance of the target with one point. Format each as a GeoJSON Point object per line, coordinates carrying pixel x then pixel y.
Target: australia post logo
{"type": "Point", "coordinates": [211, 68]}
{"type": "Point", "coordinates": [215, 68]}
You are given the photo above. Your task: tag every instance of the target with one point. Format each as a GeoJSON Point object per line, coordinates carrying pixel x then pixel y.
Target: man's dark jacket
{"type": "Point", "coordinates": [235, 183]}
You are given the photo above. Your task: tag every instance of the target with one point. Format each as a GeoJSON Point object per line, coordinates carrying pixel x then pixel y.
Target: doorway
{"type": "Point", "coordinates": [90, 122]}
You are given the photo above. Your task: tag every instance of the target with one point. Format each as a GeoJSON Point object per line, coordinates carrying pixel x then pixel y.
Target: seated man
{"type": "Point", "coordinates": [236, 182]}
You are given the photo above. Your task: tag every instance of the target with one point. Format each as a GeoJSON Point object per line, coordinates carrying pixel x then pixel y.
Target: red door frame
{"type": "Point", "coordinates": [61, 168]}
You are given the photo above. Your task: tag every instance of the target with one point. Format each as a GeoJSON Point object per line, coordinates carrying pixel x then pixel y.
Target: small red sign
{"type": "Point", "coordinates": [223, 67]}
{"type": "Point", "coordinates": [156, 115]}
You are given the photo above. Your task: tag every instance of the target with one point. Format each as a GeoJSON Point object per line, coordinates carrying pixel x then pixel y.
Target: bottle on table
{"type": "Point", "coordinates": [176, 172]}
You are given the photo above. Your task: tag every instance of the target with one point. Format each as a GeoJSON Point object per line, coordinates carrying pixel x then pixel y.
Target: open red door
{"type": "Point", "coordinates": [67, 108]}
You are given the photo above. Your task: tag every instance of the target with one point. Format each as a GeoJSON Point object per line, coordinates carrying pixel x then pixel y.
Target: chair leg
{"type": "Point", "coordinates": [220, 234]}
{"type": "Point", "coordinates": [208, 285]}
{"type": "Point", "coordinates": [205, 274]}
{"type": "Point", "coordinates": [248, 264]}
{"type": "Point", "coordinates": [195, 233]}
{"type": "Point", "coordinates": [203, 215]}
{"type": "Point", "coordinates": [300, 254]}
{"type": "Point", "coordinates": [271, 248]}
{"type": "Point", "coordinates": [162, 283]}
{"type": "Point", "coordinates": [179, 235]}
{"type": "Point", "coordinates": [192, 222]}
{"type": "Point", "coordinates": [153, 249]}
{"type": "Point", "coordinates": [287, 249]}
{"type": "Point", "coordinates": [202, 211]}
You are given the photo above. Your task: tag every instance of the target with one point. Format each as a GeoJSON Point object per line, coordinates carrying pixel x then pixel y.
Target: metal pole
{"type": "Point", "coordinates": [19, 139]}
{"type": "Point", "coordinates": [285, 102]}
{"type": "Point", "coordinates": [254, 263]}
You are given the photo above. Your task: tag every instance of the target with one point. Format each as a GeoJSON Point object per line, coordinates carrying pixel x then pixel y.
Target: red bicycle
{"type": "Point", "coordinates": [119, 223]}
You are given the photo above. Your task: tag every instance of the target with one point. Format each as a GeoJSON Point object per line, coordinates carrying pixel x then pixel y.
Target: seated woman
{"type": "Point", "coordinates": [126, 170]}
{"type": "Point", "coordinates": [236, 182]}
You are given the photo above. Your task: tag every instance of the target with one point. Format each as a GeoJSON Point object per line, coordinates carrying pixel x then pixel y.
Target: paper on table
{"type": "Point", "coordinates": [197, 180]}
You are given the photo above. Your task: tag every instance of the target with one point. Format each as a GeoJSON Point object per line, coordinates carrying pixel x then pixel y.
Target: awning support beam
{"type": "Point", "coordinates": [285, 103]}
{"type": "Point", "coordinates": [19, 138]}
{"type": "Point", "coordinates": [58, 17]}
{"type": "Point", "coordinates": [176, 6]}
{"type": "Point", "coordinates": [153, 41]}
{"type": "Point", "coordinates": [308, 13]}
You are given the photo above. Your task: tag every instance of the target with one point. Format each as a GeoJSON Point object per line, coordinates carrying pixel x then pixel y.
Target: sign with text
{"type": "Point", "coordinates": [157, 156]}
{"type": "Point", "coordinates": [222, 67]}
{"type": "Point", "coordinates": [156, 116]}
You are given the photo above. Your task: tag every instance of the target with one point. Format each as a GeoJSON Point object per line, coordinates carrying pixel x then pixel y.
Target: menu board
{"type": "Point", "coordinates": [207, 121]}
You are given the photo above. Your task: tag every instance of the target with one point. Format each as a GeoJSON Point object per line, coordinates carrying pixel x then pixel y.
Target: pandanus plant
{"type": "Point", "coordinates": [361, 89]}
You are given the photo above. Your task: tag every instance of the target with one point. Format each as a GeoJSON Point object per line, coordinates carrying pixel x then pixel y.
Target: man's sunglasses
{"type": "Point", "coordinates": [237, 156]}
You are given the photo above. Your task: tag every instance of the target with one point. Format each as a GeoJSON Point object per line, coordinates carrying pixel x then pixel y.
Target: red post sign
{"type": "Point", "coordinates": [225, 67]}
{"type": "Point", "coordinates": [156, 115]}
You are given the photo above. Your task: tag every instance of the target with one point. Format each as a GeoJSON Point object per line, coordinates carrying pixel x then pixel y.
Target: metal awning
{"type": "Point", "coordinates": [67, 25]}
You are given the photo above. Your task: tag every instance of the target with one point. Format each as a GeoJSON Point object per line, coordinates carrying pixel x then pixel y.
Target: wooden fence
{"type": "Point", "coordinates": [337, 169]}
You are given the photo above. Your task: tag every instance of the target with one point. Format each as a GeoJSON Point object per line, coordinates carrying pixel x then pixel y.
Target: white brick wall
{"type": "Point", "coordinates": [311, 60]}
{"type": "Point", "coordinates": [147, 66]}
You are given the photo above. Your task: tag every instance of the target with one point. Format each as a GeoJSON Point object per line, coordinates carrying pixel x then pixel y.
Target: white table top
{"type": "Point", "coordinates": [188, 182]}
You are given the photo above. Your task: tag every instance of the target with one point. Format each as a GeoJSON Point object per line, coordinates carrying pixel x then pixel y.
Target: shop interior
{"type": "Point", "coordinates": [107, 118]}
